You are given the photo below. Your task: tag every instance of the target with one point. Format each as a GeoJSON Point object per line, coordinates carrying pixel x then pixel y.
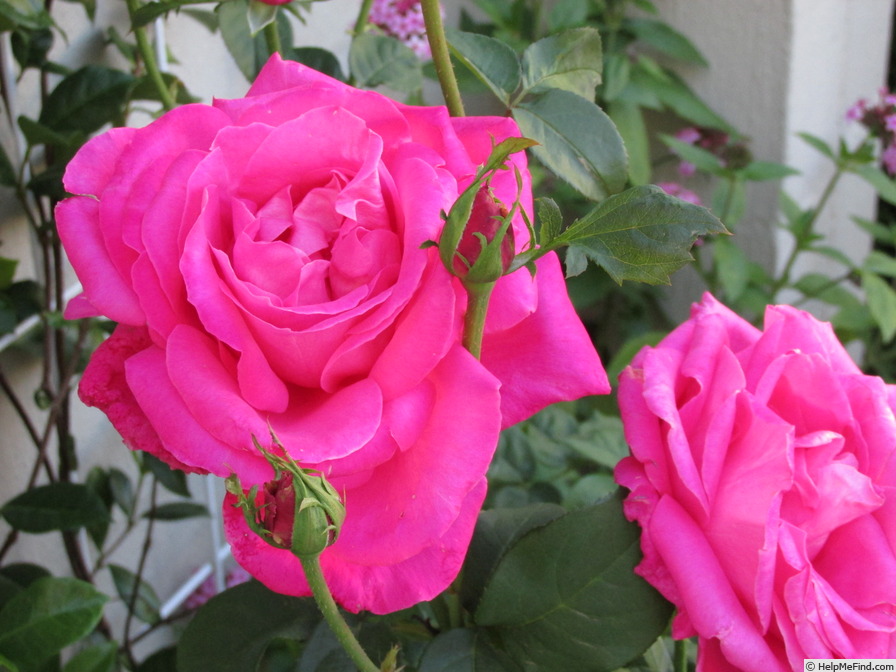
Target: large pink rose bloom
{"type": "Point", "coordinates": [763, 474]}
{"type": "Point", "coordinates": [263, 260]}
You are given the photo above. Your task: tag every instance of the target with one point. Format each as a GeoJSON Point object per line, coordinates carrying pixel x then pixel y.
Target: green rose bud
{"type": "Point", "coordinates": [300, 511]}
{"type": "Point", "coordinates": [486, 248]}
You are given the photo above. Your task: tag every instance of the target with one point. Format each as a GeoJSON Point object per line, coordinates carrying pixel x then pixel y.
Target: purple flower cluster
{"type": "Point", "coordinates": [880, 120]}
{"type": "Point", "coordinates": [712, 140]}
{"type": "Point", "coordinates": [403, 20]}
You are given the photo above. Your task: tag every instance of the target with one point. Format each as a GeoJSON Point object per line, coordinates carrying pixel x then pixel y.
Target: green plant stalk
{"type": "Point", "coordinates": [680, 660]}
{"type": "Point", "coordinates": [327, 606]}
{"type": "Point", "coordinates": [272, 38]}
{"type": "Point", "coordinates": [441, 58]}
{"type": "Point", "coordinates": [478, 296]}
{"type": "Point", "coordinates": [149, 59]}
{"type": "Point", "coordinates": [784, 277]}
{"type": "Point", "coordinates": [363, 15]}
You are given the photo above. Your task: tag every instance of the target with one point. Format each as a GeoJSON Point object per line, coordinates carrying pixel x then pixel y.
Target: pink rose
{"type": "Point", "coordinates": [763, 474]}
{"type": "Point", "coordinates": [263, 259]}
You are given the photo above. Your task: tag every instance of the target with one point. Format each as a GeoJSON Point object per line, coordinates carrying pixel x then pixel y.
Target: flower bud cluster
{"type": "Point", "coordinates": [403, 20]}
{"type": "Point", "coordinates": [731, 153]}
{"type": "Point", "coordinates": [880, 120]}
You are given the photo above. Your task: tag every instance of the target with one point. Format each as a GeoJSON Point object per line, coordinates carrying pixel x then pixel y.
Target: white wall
{"type": "Point", "coordinates": [779, 67]}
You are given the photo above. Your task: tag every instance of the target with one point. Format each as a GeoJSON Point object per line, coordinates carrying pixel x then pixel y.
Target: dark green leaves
{"type": "Point", "coordinates": [59, 506]}
{"type": "Point", "coordinates": [565, 596]}
{"type": "Point", "coordinates": [550, 93]}
{"type": "Point", "coordinates": [641, 234]}
{"type": "Point", "coordinates": [570, 61]}
{"type": "Point", "coordinates": [48, 615]}
{"type": "Point", "coordinates": [492, 61]}
{"type": "Point", "coordinates": [231, 632]}
{"type": "Point", "coordinates": [577, 141]}
{"type": "Point", "coordinates": [86, 100]}
{"type": "Point", "coordinates": [376, 60]}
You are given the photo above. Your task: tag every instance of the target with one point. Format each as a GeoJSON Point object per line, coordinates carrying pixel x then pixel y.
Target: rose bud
{"type": "Point", "coordinates": [477, 259]}
{"type": "Point", "coordinates": [300, 511]}
{"type": "Point", "coordinates": [279, 511]}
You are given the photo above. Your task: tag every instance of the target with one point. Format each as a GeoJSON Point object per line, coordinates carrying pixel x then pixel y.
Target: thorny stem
{"type": "Point", "coordinates": [138, 576]}
{"type": "Point", "coordinates": [272, 38]}
{"type": "Point", "coordinates": [327, 606]}
{"type": "Point", "coordinates": [441, 58]}
{"type": "Point", "coordinates": [784, 277]}
{"type": "Point", "coordinates": [680, 660]}
{"type": "Point", "coordinates": [149, 59]}
{"type": "Point", "coordinates": [478, 296]}
{"type": "Point", "coordinates": [363, 16]}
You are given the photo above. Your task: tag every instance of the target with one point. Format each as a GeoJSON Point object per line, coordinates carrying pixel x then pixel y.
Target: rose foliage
{"type": "Point", "coordinates": [264, 260]}
{"type": "Point", "coordinates": [763, 474]}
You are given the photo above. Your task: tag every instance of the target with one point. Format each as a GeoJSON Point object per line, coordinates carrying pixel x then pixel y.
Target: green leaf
{"type": "Point", "coordinates": [833, 253]}
{"type": "Point", "coordinates": [58, 506]}
{"type": "Point", "coordinates": [39, 134]}
{"type": "Point", "coordinates": [122, 490]}
{"type": "Point", "coordinates": [492, 61]}
{"type": "Point", "coordinates": [172, 480]}
{"type": "Point", "coordinates": [260, 14]}
{"type": "Point", "coordinates": [164, 660]}
{"type": "Point", "coordinates": [550, 220]}
{"type": "Point", "coordinates": [642, 234]}
{"type": "Point", "coordinates": [86, 100]}
{"type": "Point", "coordinates": [24, 573]}
{"type": "Point", "coordinates": [882, 304]}
{"type": "Point", "coordinates": [6, 665]}
{"type": "Point", "coordinates": [880, 263]}
{"type": "Point", "coordinates": [465, 650]}
{"type": "Point", "coordinates": [758, 171]}
{"type": "Point", "coordinates": [818, 144]}
{"type": "Point", "coordinates": [27, 14]}
{"type": "Point", "coordinates": [732, 267]}
{"type": "Point", "coordinates": [177, 511]}
{"type": "Point", "coordinates": [565, 596]}
{"type": "Point", "coordinates": [232, 630]}
{"type": "Point", "coordinates": [567, 14]}
{"type": "Point", "coordinates": [7, 271]}
{"type": "Point", "coordinates": [570, 61]}
{"type": "Point", "coordinates": [881, 233]}
{"type": "Point", "coordinates": [816, 285]}
{"type": "Point", "coordinates": [47, 616]}
{"type": "Point", "coordinates": [250, 53]}
{"type": "Point", "coordinates": [673, 93]}
{"type": "Point", "coordinates": [377, 60]}
{"type": "Point", "coordinates": [578, 142]}
{"type": "Point", "coordinates": [883, 183]}
{"type": "Point", "coordinates": [629, 121]}
{"type": "Point", "coordinates": [319, 59]}
{"type": "Point", "coordinates": [665, 39]}
{"type": "Point", "coordinates": [601, 438]}
{"type": "Point", "coordinates": [98, 658]}
{"type": "Point", "coordinates": [704, 160]}
{"type": "Point", "coordinates": [495, 532]}
{"type": "Point", "coordinates": [146, 602]}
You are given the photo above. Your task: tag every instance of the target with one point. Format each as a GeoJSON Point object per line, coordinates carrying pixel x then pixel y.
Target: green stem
{"type": "Point", "coordinates": [478, 296]}
{"type": "Point", "coordinates": [680, 662]}
{"type": "Point", "coordinates": [363, 15]}
{"type": "Point", "coordinates": [149, 59]}
{"type": "Point", "coordinates": [272, 38]}
{"type": "Point", "coordinates": [784, 278]}
{"type": "Point", "coordinates": [330, 611]}
{"type": "Point", "coordinates": [441, 58]}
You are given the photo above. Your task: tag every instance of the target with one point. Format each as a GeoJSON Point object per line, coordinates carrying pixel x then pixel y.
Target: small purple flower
{"type": "Point", "coordinates": [403, 20]}
{"type": "Point", "coordinates": [675, 189]}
